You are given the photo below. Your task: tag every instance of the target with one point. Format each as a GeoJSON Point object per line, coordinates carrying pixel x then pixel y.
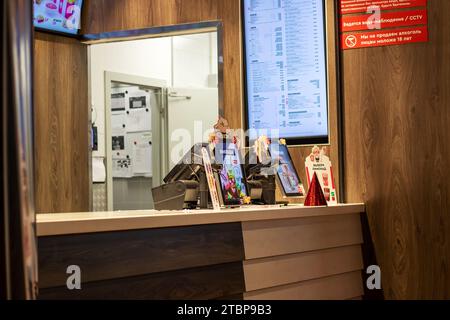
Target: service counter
{"type": "Point", "coordinates": [264, 252]}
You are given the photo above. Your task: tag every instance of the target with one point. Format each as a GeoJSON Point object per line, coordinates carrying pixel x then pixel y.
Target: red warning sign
{"type": "Point", "coordinates": [384, 38]}
{"type": "Point", "coordinates": [384, 20]}
{"type": "Point", "coordinates": [355, 6]}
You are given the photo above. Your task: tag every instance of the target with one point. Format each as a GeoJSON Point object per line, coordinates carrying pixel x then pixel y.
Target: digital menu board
{"type": "Point", "coordinates": [62, 16]}
{"type": "Point", "coordinates": [286, 70]}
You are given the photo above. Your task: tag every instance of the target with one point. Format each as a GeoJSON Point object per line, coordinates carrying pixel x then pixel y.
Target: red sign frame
{"type": "Point", "coordinates": [387, 20]}
{"type": "Point", "coordinates": [358, 6]}
{"type": "Point", "coordinates": [384, 38]}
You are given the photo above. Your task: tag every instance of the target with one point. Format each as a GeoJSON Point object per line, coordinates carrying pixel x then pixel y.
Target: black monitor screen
{"type": "Point", "coordinates": [188, 166]}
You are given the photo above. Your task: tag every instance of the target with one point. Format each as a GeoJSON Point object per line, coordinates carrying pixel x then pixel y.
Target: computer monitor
{"type": "Point", "coordinates": [189, 166]}
{"type": "Point", "coordinates": [287, 176]}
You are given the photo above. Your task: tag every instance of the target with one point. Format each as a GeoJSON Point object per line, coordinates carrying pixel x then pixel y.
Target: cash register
{"type": "Point", "coordinates": [184, 183]}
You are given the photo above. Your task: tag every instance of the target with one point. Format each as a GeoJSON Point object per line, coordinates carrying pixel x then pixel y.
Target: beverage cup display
{"type": "Point", "coordinates": [326, 192]}
{"type": "Point", "coordinates": [325, 179]}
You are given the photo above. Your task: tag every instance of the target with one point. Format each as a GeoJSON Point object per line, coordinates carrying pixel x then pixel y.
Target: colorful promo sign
{"type": "Point", "coordinates": [378, 27]}
{"type": "Point", "coordinates": [58, 15]}
{"type": "Point", "coordinates": [211, 180]}
{"type": "Point", "coordinates": [319, 163]}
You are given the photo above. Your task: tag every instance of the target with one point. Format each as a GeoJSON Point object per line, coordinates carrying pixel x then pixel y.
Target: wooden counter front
{"type": "Point", "coordinates": [89, 222]}
{"type": "Point", "coordinates": [268, 252]}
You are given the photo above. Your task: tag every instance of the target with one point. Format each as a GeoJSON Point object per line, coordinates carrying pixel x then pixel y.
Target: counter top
{"type": "Point", "coordinates": [92, 222]}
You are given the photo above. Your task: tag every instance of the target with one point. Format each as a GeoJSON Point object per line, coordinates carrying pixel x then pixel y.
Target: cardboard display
{"type": "Point", "coordinates": [315, 197]}
{"type": "Point", "coordinates": [319, 163]}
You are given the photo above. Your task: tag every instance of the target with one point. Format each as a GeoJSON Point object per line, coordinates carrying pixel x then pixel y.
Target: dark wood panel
{"type": "Point", "coordinates": [123, 254]}
{"type": "Point", "coordinates": [397, 117]}
{"type": "Point", "coordinates": [236, 297]}
{"type": "Point", "coordinates": [213, 282]}
{"type": "Point", "coordinates": [62, 157]}
{"type": "Point", "coordinates": [229, 12]}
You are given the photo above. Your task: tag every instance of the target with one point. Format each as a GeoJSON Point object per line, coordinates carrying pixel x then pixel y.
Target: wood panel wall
{"type": "Point", "coordinates": [61, 120]}
{"type": "Point", "coordinates": [397, 116]}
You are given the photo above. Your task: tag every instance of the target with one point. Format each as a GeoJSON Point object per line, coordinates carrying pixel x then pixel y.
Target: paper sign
{"type": "Point", "coordinates": [141, 154]}
{"type": "Point", "coordinates": [139, 120]}
{"type": "Point", "coordinates": [139, 99]}
{"type": "Point", "coordinates": [211, 180]}
{"type": "Point", "coordinates": [386, 20]}
{"type": "Point", "coordinates": [118, 101]}
{"type": "Point", "coordinates": [319, 163]}
{"type": "Point", "coordinates": [122, 168]}
{"type": "Point", "coordinates": [356, 6]}
{"type": "Point", "coordinates": [98, 170]}
{"type": "Point", "coordinates": [384, 38]}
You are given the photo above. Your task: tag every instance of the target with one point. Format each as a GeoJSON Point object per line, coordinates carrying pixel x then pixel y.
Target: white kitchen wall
{"type": "Point", "coordinates": [192, 60]}
{"type": "Point", "coordinates": [182, 61]}
{"type": "Point", "coordinates": [149, 58]}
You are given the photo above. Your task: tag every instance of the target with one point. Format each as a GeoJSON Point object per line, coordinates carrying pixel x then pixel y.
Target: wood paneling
{"type": "Point", "coordinates": [61, 125]}
{"type": "Point", "coordinates": [397, 119]}
{"type": "Point", "coordinates": [282, 270]}
{"type": "Point", "coordinates": [131, 253]}
{"type": "Point", "coordinates": [212, 282]}
{"type": "Point", "coordinates": [338, 287]}
{"type": "Point", "coordinates": [274, 238]}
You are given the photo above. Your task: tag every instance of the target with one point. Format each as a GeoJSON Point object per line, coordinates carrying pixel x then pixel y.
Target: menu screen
{"type": "Point", "coordinates": [286, 69]}
{"type": "Point", "coordinates": [58, 15]}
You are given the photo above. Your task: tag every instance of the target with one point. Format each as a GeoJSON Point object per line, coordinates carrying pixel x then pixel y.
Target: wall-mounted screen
{"type": "Point", "coordinates": [61, 16]}
{"type": "Point", "coordinates": [286, 70]}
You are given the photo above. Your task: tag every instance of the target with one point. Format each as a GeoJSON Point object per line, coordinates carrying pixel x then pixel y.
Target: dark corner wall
{"type": "Point", "coordinates": [397, 156]}
{"type": "Point", "coordinates": [18, 260]}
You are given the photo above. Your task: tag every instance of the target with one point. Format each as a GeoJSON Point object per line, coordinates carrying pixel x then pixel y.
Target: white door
{"type": "Point", "coordinates": [192, 114]}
